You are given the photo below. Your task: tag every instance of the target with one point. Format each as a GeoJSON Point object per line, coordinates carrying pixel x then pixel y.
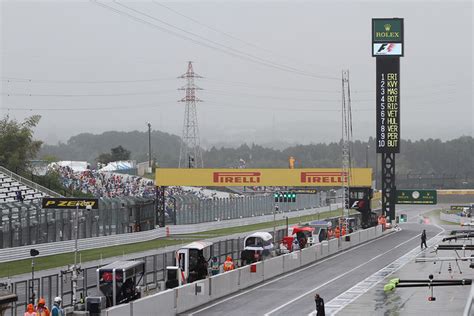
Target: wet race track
{"type": "Point", "coordinates": [350, 282]}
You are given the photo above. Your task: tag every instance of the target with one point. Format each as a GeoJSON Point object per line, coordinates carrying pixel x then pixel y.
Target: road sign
{"type": "Point", "coordinates": [417, 197]}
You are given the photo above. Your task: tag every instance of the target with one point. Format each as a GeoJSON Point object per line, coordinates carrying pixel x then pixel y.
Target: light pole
{"type": "Point", "coordinates": [274, 222]}
{"type": "Point", "coordinates": [74, 269]}
{"type": "Point", "coordinates": [33, 254]}
{"type": "Point", "coordinates": [149, 145]}
{"type": "Point", "coordinates": [367, 156]}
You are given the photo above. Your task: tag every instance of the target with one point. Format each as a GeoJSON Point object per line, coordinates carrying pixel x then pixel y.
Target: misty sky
{"type": "Point", "coordinates": [86, 68]}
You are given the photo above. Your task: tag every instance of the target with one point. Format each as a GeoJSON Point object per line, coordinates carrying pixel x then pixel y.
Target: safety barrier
{"type": "Point", "coordinates": [190, 296]}
{"type": "Point", "coordinates": [251, 275]}
{"type": "Point", "coordinates": [291, 261]}
{"type": "Point", "coordinates": [355, 238]}
{"type": "Point", "coordinates": [150, 305]}
{"type": "Point", "coordinates": [363, 235]}
{"type": "Point", "coordinates": [378, 230]}
{"type": "Point", "coordinates": [308, 255]}
{"type": "Point", "coordinates": [224, 284]}
{"type": "Point", "coordinates": [324, 249]}
{"type": "Point", "coordinates": [333, 245]}
{"type": "Point", "coordinates": [273, 267]}
{"type": "Point", "coordinates": [121, 310]}
{"type": "Point", "coordinates": [371, 233]}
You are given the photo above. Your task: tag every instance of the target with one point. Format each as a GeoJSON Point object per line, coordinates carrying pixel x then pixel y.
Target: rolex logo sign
{"type": "Point", "coordinates": [387, 30]}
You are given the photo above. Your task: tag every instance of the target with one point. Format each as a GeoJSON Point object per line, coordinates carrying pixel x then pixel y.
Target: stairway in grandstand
{"type": "Point", "coordinates": [10, 183]}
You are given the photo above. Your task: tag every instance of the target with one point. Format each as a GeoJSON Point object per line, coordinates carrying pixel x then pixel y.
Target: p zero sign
{"type": "Point", "coordinates": [69, 203]}
{"type": "Point", "coordinates": [310, 177]}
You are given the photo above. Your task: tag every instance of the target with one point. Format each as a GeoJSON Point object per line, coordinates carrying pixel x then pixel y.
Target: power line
{"type": "Point", "coordinates": [30, 80]}
{"type": "Point", "coordinates": [223, 92]}
{"type": "Point", "coordinates": [95, 108]}
{"type": "Point", "coordinates": [12, 94]}
{"type": "Point", "coordinates": [211, 28]}
{"type": "Point", "coordinates": [228, 50]}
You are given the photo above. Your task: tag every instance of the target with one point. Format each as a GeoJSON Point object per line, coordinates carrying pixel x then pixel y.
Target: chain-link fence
{"type": "Point", "coordinates": [26, 223]}
{"type": "Point", "coordinates": [191, 210]}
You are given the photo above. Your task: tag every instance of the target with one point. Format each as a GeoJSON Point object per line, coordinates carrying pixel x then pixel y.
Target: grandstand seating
{"type": "Point", "coordinates": [9, 187]}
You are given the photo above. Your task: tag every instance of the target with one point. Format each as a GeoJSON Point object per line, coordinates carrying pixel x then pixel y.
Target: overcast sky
{"type": "Point", "coordinates": [86, 68]}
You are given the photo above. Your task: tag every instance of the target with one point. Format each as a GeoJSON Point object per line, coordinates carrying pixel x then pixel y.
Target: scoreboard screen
{"type": "Point", "coordinates": [388, 105]}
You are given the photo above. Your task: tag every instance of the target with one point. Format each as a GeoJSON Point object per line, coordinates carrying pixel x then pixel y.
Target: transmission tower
{"type": "Point", "coordinates": [346, 141]}
{"type": "Point", "coordinates": [190, 155]}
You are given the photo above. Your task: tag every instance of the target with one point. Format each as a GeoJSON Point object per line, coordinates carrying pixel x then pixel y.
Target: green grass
{"type": "Point", "coordinates": [42, 263]}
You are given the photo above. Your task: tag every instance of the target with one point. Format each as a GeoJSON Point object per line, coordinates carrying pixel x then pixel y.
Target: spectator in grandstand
{"type": "Point", "coordinates": [41, 309]}
{"type": "Point", "coordinates": [19, 196]}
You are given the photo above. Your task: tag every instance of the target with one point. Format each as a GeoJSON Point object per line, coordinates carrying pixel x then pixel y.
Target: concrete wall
{"type": "Point", "coordinates": [318, 248]}
{"type": "Point", "coordinates": [291, 261]}
{"type": "Point", "coordinates": [224, 284]}
{"type": "Point", "coordinates": [333, 246]}
{"type": "Point", "coordinates": [355, 238]}
{"type": "Point", "coordinates": [248, 278]}
{"type": "Point", "coordinates": [272, 267]}
{"type": "Point", "coordinates": [308, 255]}
{"type": "Point", "coordinates": [378, 231]}
{"type": "Point", "coordinates": [363, 235]}
{"type": "Point", "coordinates": [371, 233]}
{"type": "Point", "coordinates": [120, 310]}
{"type": "Point", "coordinates": [186, 297]}
{"type": "Point", "coordinates": [164, 302]}
{"type": "Point", "coordinates": [324, 249]}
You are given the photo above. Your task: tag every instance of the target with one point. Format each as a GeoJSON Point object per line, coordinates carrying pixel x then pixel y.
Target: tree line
{"type": "Point", "coordinates": [424, 157]}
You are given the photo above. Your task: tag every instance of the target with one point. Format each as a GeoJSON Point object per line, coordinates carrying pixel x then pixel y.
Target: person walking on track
{"type": "Point", "coordinates": [319, 305]}
{"type": "Point", "coordinates": [423, 239]}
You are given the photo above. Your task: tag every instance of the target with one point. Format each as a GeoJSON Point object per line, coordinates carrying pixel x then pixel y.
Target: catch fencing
{"type": "Point", "coordinates": [27, 223]}
{"type": "Point", "coordinates": [191, 210]}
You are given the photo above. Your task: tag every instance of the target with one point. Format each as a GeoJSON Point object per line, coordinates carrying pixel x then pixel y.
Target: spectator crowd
{"type": "Point", "coordinates": [106, 184]}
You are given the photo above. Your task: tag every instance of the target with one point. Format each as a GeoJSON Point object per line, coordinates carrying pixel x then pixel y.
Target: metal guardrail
{"type": "Point", "coordinates": [453, 218]}
{"type": "Point", "coordinates": [29, 183]}
{"type": "Point", "coordinates": [468, 309]}
{"type": "Point", "coordinates": [48, 249]}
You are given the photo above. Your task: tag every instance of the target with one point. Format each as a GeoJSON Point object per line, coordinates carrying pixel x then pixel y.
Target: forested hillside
{"type": "Point", "coordinates": [455, 157]}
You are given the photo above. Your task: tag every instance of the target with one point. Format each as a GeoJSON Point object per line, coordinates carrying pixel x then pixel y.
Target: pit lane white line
{"type": "Point", "coordinates": [338, 303]}
{"type": "Point", "coordinates": [289, 274]}
{"type": "Point", "coordinates": [337, 278]}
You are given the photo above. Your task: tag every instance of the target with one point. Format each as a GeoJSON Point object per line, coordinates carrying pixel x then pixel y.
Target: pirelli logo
{"type": "Point", "coordinates": [69, 203]}
{"type": "Point", "coordinates": [323, 177]}
{"type": "Point", "coordinates": [237, 177]}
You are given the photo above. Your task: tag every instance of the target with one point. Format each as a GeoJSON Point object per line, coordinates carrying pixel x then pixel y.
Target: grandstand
{"type": "Point", "coordinates": [11, 183]}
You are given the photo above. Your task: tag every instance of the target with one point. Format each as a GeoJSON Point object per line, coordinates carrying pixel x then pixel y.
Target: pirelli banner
{"type": "Point", "coordinates": [332, 177]}
{"type": "Point", "coordinates": [69, 203]}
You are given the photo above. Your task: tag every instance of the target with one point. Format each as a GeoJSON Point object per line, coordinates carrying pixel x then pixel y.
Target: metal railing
{"type": "Point", "coordinates": [26, 223]}
{"type": "Point", "coordinates": [29, 183]}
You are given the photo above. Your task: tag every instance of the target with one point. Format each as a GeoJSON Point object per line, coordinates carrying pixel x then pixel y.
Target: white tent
{"type": "Point", "coordinates": [76, 166]}
{"type": "Point", "coordinates": [119, 165]}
